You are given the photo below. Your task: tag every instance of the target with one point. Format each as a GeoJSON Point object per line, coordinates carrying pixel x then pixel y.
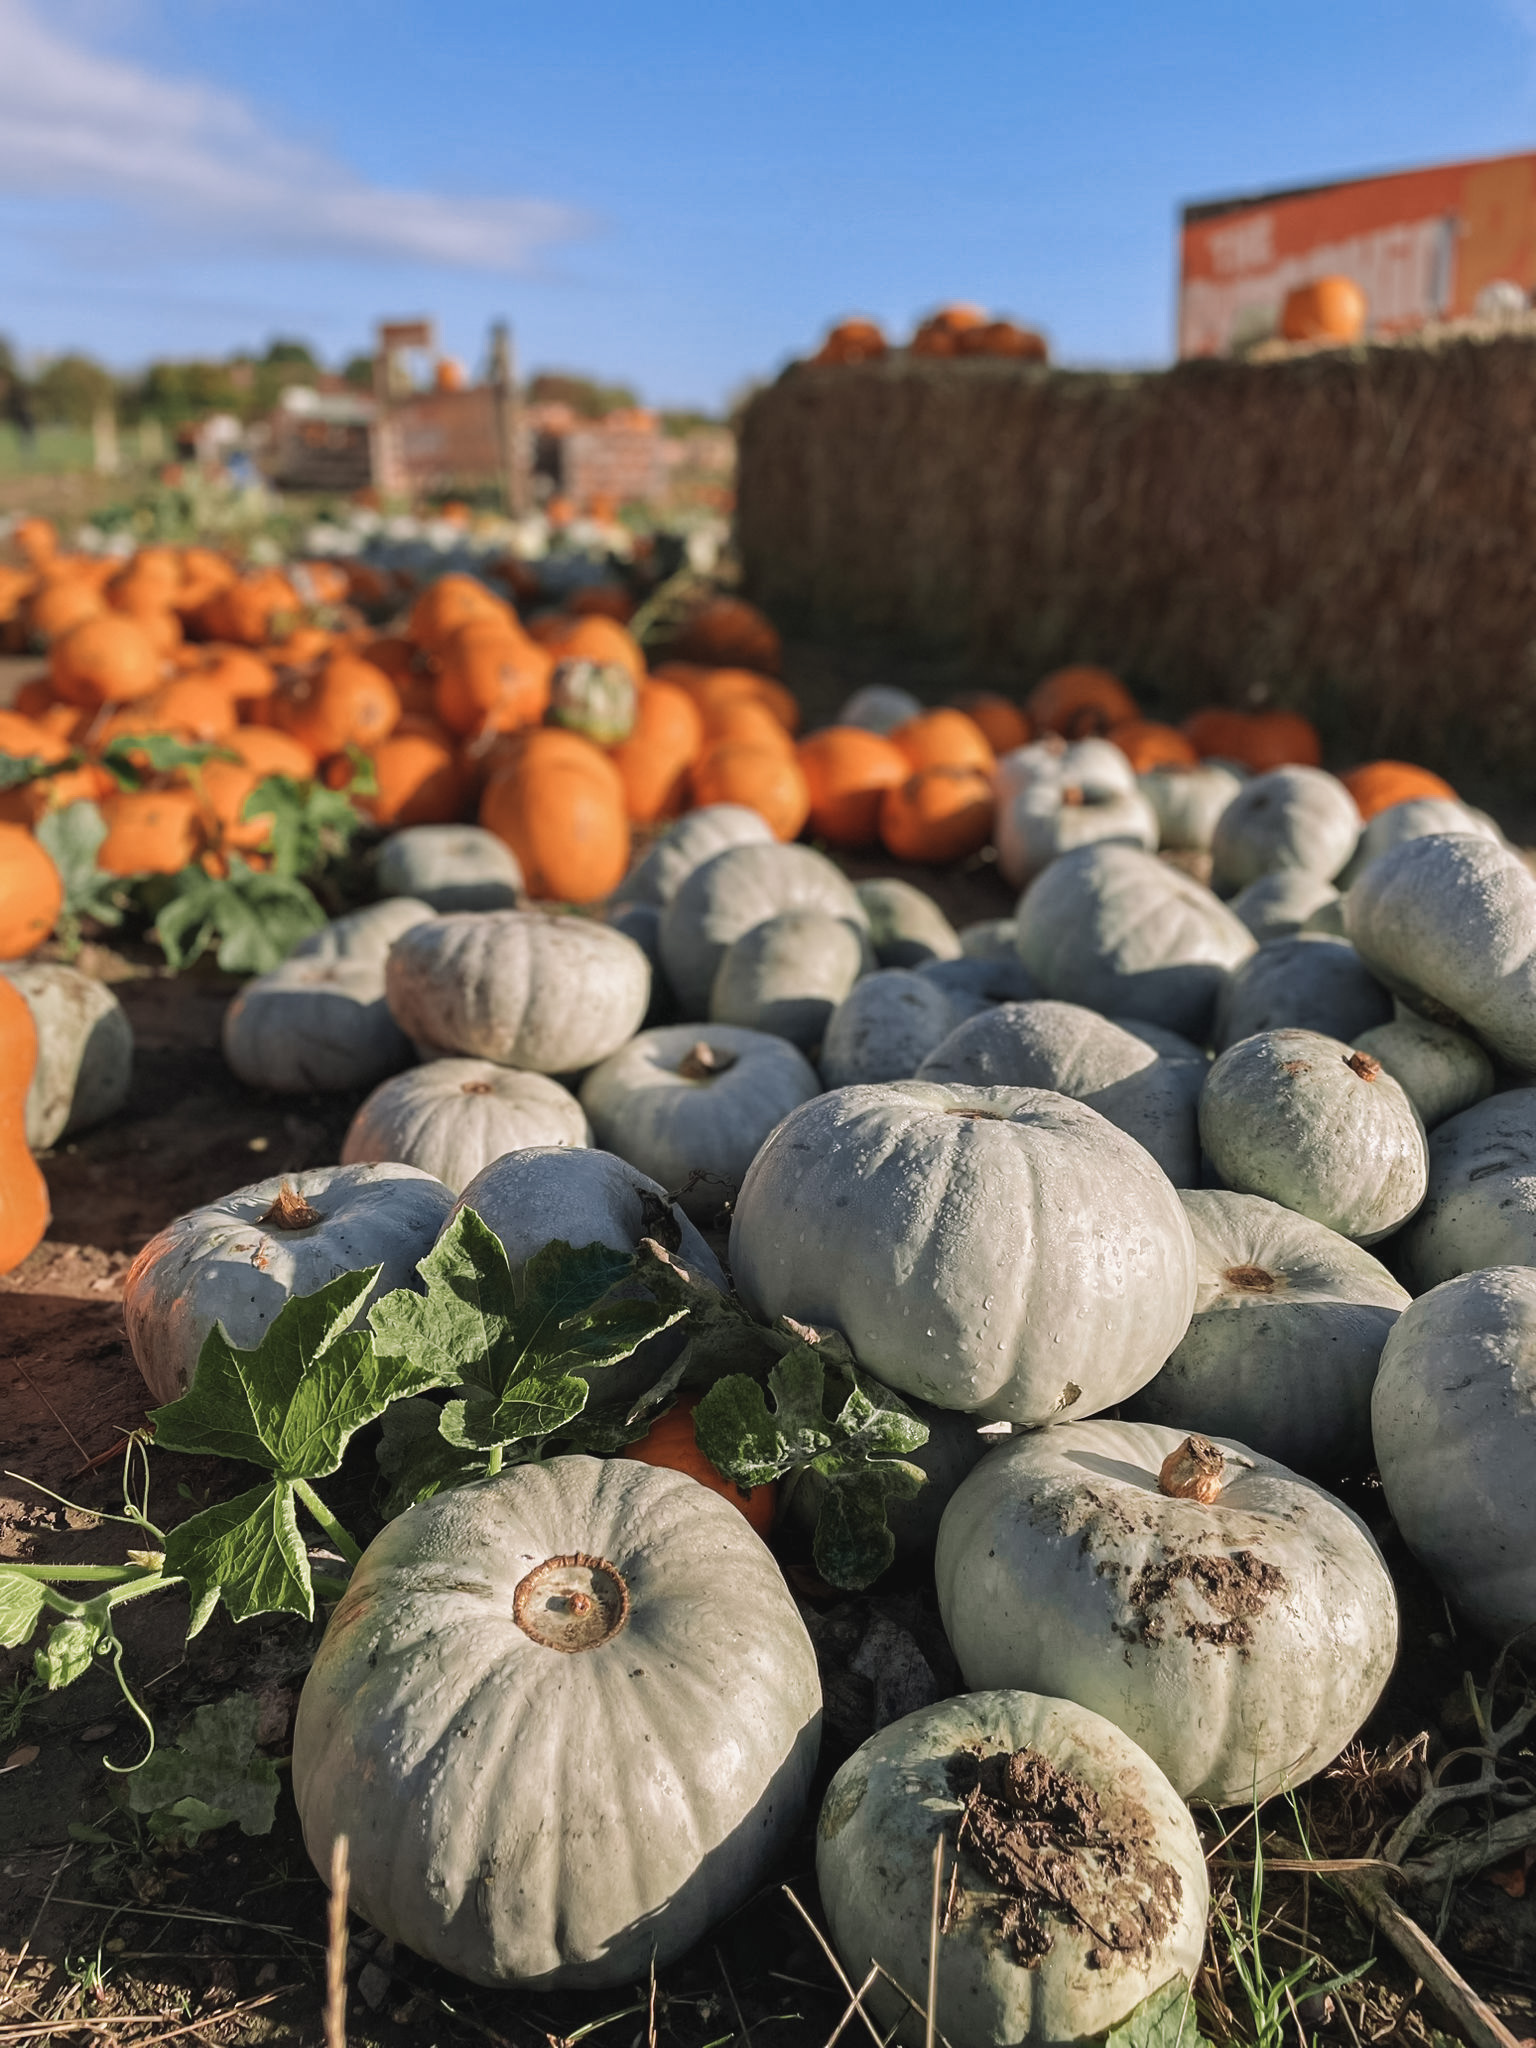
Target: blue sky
{"type": "Point", "coordinates": [678, 194]}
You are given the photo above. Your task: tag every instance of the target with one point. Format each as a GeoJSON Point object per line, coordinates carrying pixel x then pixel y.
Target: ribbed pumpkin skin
{"type": "Point", "coordinates": [24, 1207]}
{"type": "Point", "coordinates": [885, 1813]}
{"type": "Point", "coordinates": [1441, 1071]}
{"type": "Point", "coordinates": [453, 1117]}
{"type": "Point", "coordinates": [564, 819]}
{"type": "Point", "coordinates": [668, 862]}
{"type": "Point", "coordinates": [84, 1047]}
{"type": "Point", "coordinates": [1289, 818]}
{"type": "Point", "coordinates": [31, 892]}
{"type": "Point", "coordinates": [451, 867]}
{"type": "Point", "coordinates": [735, 890]}
{"type": "Point", "coordinates": [1005, 1251]}
{"type": "Point", "coordinates": [1480, 1209]}
{"type": "Point", "coordinates": [887, 1025]}
{"type": "Point", "coordinates": [1306, 982]}
{"type": "Point", "coordinates": [1188, 803]}
{"type": "Point", "coordinates": [1063, 1569]}
{"type": "Point", "coordinates": [788, 974]}
{"type": "Point", "coordinates": [314, 1024]}
{"type": "Point", "coordinates": [524, 1815]}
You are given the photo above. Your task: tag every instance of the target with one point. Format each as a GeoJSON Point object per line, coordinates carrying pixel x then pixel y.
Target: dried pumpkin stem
{"type": "Point", "coordinates": [1192, 1471]}
{"type": "Point", "coordinates": [290, 1211]}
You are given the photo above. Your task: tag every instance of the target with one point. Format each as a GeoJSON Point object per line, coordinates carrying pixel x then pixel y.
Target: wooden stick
{"type": "Point", "coordinates": [841, 1975]}
{"type": "Point", "coordinates": [933, 1943]}
{"type": "Point", "coordinates": [336, 1949]}
{"type": "Point", "coordinates": [1464, 1857]}
{"type": "Point", "coordinates": [1477, 2022]}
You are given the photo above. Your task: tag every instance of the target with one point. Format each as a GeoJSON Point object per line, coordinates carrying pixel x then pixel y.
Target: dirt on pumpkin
{"type": "Point", "coordinates": [1236, 1585]}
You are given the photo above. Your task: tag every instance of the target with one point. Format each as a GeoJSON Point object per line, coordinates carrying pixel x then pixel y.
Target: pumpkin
{"type": "Point", "coordinates": [1377, 785]}
{"type": "Point", "coordinates": [763, 777]}
{"type": "Point", "coordinates": [104, 660]}
{"type": "Point", "coordinates": [1278, 905]}
{"type": "Point", "coordinates": [690, 1105]}
{"type": "Point", "coordinates": [642, 923]}
{"type": "Point", "coordinates": [1057, 1958]}
{"type": "Point", "coordinates": [654, 759]}
{"type": "Point", "coordinates": [886, 1026]}
{"type": "Point", "coordinates": [453, 1117]}
{"type": "Point", "coordinates": [712, 689]}
{"type": "Point", "coordinates": [744, 722]}
{"type": "Point", "coordinates": [1453, 1415]}
{"type": "Point", "coordinates": [940, 814]}
{"type": "Point", "coordinates": [1148, 745]}
{"type": "Point", "coordinates": [1480, 1208]}
{"type": "Point", "coordinates": [238, 1260]}
{"type": "Point", "coordinates": [491, 678]}
{"type": "Point", "coordinates": [982, 979]}
{"type": "Point", "coordinates": [1282, 1350]}
{"type": "Point", "coordinates": [1119, 931]}
{"type": "Point", "coordinates": [59, 604]}
{"type": "Point", "coordinates": [847, 770]}
{"type": "Point", "coordinates": [84, 1050]}
{"type": "Point", "coordinates": [668, 862]}
{"type": "Point", "coordinates": [1004, 1251]}
{"type": "Point", "coordinates": [852, 341]}
{"type": "Point", "coordinates": [671, 1444]}
{"type": "Point", "coordinates": [525, 988]}
{"type": "Point", "coordinates": [955, 1446]}
{"type": "Point", "coordinates": [1003, 722]}
{"type": "Point", "coordinates": [1255, 740]}
{"type": "Point", "coordinates": [450, 602]}
{"type": "Point", "coordinates": [1056, 796]}
{"type": "Point", "coordinates": [734, 890]}
{"type": "Point", "coordinates": [1319, 1127]}
{"type": "Point", "coordinates": [1253, 1622]}
{"type": "Point", "coordinates": [944, 739]}
{"type": "Point", "coordinates": [1330, 309]}
{"type": "Point", "coordinates": [313, 1024]}
{"type": "Point", "coordinates": [450, 867]}
{"type": "Point", "coordinates": [419, 782]}
{"type": "Point", "coordinates": [1449, 923]}
{"type": "Point", "coordinates": [990, 938]}
{"type": "Point", "coordinates": [1308, 983]}
{"type": "Point", "coordinates": [879, 708]}
{"type": "Point", "coordinates": [556, 1748]}
{"type": "Point", "coordinates": [347, 703]}
{"type": "Point", "coordinates": [1289, 818]}
{"type": "Point", "coordinates": [1077, 702]}
{"type": "Point", "coordinates": [1419, 817]}
{"type": "Point", "coordinates": [249, 611]}
{"type": "Point", "coordinates": [1145, 1081]}
{"type": "Point", "coordinates": [31, 892]}
{"type": "Point", "coordinates": [599, 640]}
{"type": "Point", "coordinates": [595, 698]}
{"type": "Point", "coordinates": [271, 752]}
{"type": "Point", "coordinates": [150, 831]}
{"type": "Point", "coordinates": [787, 974]}
{"type": "Point", "coordinates": [24, 1208]}
{"type": "Point", "coordinates": [364, 935]}
{"type": "Point", "coordinates": [1188, 803]}
{"type": "Point", "coordinates": [906, 926]}
{"type": "Point", "coordinates": [1003, 338]}
{"type": "Point", "coordinates": [936, 336]}
{"type": "Point", "coordinates": [727, 632]}
{"type": "Point", "coordinates": [558, 803]}
{"type": "Point", "coordinates": [1439, 1070]}
{"type": "Point", "coordinates": [36, 540]}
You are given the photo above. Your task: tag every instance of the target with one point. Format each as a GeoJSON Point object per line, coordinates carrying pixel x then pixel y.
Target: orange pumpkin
{"type": "Point", "coordinates": [671, 1443]}
{"type": "Point", "coordinates": [271, 752]}
{"type": "Point", "coordinates": [1004, 722]}
{"type": "Point", "coordinates": [744, 721]}
{"type": "Point", "coordinates": [1003, 338]}
{"type": "Point", "coordinates": [192, 706]}
{"type": "Point", "coordinates": [1079, 702]}
{"type": "Point", "coordinates": [150, 832]}
{"type": "Point", "coordinates": [222, 788]}
{"type": "Point", "coordinates": [1377, 785]}
{"type": "Point", "coordinates": [944, 739]}
{"type": "Point", "coordinates": [709, 687]}
{"type": "Point", "coordinates": [939, 814]}
{"type": "Point", "coordinates": [1256, 740]}
{"type": "Point", "coordinates": [23, 738]}
{"type": "Point", "coordinates": [602, 601]}
{"type": "Point", "coordinates": [59, 602]}
{"type": "Point", "coordinates": [1327, 309]}
{"type": "Point", "coordinates": [420, 781]}
{"type": "Point", "coordinates": [1147, 745]}
{"type": "Point", "coordinates": [727, 632]}
{"type": "Point", "coordinates": [560, 807]}
{"type": "Point", "coordinates": [36, 540]}
{"type": "Point", "coordinates": [248, 610]}
{"type": "Point", "coordinates": [852, 341]}
{"type": "Point", "coordinates": [204, 573]}
{"type": "Point", "coordinates": [767, 780]}
{"type": "Point", "coordinates": [31, 893]}
{"type": "Point", "coordinates": [847, 771]}
{"type": "Point", "coordinates": [588, 639]}
{"type": "Point", "coordinates": [491, 678]}
{"type": "Point", "coordinates": [939, 334]}
{"type": "Point", "coordinates": [108, 659]}
{"type": "Point", "coordinates": [246, 675]}
{"type": "Point", "coordinates": [347, 702]}
{"type": "Point", "coordinates": [24, 1209]}
{"type": "Point", "coordinates": [654, 761]}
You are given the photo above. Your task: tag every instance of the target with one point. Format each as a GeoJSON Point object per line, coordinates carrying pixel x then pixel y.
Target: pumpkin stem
{"type": "Point", "coordinates": [1361, 1063]}
{"type": "Point", "coordinates": [1192, 1472]}
{"type": "Point", "coordinates": [476, 1088]}
{"type": "Point", "coordinates": [1250, 1279]}
{"type": "Point", "coordinates": [571, 1603]}
{"type": "Point", "coordinates": [702, 1062]}
{"type": "Point", "coordinates": [1073, 798]}
{"type": "Point", "coordinates": [290, 1211]}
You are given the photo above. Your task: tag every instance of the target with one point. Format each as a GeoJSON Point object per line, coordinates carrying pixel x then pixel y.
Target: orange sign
{"type": "Point", "coordinates": [1420, 244]}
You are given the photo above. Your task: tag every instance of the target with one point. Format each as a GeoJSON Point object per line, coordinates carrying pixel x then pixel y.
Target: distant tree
{"type": "Point", "coordinates": [358, 370]}
{"type": "Point", "coordinates": [16, 405]}
{"type": "Point", "coordinates": [283, 349]}
{"type": "Point", "coordinates": [583, 394]}
{"type": "Point", "coordinates": [72, 389]}
{"type": "Point", "coordinates": [685, 421]}
{"type": "Point", "coordinates": [178, 392]}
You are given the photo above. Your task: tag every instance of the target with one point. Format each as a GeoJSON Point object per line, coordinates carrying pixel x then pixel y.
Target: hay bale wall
{"type": "Point", "coordinates": [1349, 533]}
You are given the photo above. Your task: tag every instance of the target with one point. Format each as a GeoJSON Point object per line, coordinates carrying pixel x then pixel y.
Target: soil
{"type": "Point", "coordinates": [1238, 1586]}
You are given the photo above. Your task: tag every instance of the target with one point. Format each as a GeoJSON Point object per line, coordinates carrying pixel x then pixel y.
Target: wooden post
{"type": "Point", "coordinates": [509, 448]}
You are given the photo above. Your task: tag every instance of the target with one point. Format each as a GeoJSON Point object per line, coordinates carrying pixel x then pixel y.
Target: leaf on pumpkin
{"type": "Point", "coordinates": [310, 823]}
{"type": "Point", "coordinates": [21, 1608]}
{"type": "Point", "coordinates": [71, 837]}
{"type": "Point", "coordinates": [247, 1552]}
{"type": "Point", "coordinates": [17, 770]}
{"type": "Point", "coordinates": [133, 757]}
{"type": "Point", "coordinates": [1167, 2019]}
{"type": "Point", "coordinates": [252, 920]}
{"type": "Point", "coordinates": [215, 1774]}
{"type": "Point", "coordinates": [416, 1460]}
{"type": "Point", "coordinates": [829, 1417]}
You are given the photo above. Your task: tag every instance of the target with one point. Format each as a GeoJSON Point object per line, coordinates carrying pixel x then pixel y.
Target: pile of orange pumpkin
{"type": "Point", "coordinates": [958, 330]}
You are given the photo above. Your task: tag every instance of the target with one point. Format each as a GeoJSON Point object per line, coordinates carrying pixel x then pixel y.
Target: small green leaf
{"type": "Point", "coordinates": [853, 1543]}
{"type": "Point", "coordinates": [71, 837]}
{"type": "Point", "coordinates": [1165, 2020]}
{"type": "Point", "coordinates": [133, 757]}
{"type": "Point", "coordinates": [310, 824]}
{"type": "Point", "coordinates": [213, 1775]}
{"type": "Point", "coordinates": [246, 1551]}
{"type": "Point", "coordinates": [17, 770]}
{"type": "Point", "coordinates": [415, 1459]}
{"type": "Point", "coordinates": [21, 1608]}
{"type": "Point", "coordinates": [69, 1650]}
{"type": "Point", "coordinates": [254, 920]}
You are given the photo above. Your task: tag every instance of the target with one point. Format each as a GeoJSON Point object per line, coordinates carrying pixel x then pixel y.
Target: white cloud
{"type": "Point", "coordinates": [76, 123]}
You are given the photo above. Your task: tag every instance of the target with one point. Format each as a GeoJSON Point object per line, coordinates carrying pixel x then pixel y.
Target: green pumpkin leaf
{"type": "Point", "coordinates": [415, 1458]}
{"type": "Point", "coordinates": [71, 837]}
{"type": "Point", "coordinates": [17, 770]}
{"type": "Point", "coordinates": [21, 1608]}
{"type": "Point", "coordinates": [310, 824]}
{"type": "Point", "coordinates": [69, 1650]}
{"type": "Point", "coordinates": [853, 1543]}
{"type": "Point", "coordinates": [247, 1552]}
{"type": "Point", "coordinates": [516, 1347]}
{"type": "Point", "coordinates": [252, 920]}
{"type": "Point", "coordinates": [213, 1775]}
{"type": "Point", "coordinates": [133, 757]}
{"type": "Point", "coordinates": [1167, 2019]}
